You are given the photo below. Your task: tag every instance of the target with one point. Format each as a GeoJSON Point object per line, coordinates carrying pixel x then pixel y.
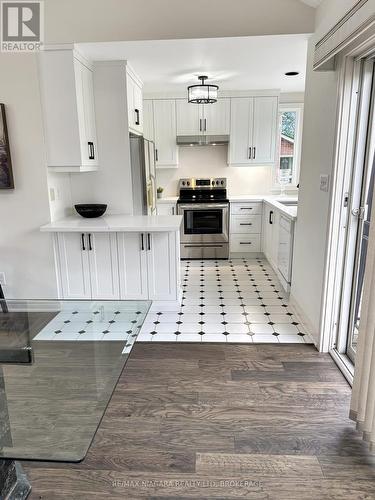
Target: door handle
{"type": "Point", "coordinates": [137, 121]}
{"type": "Point", "coordinates": [148, 241]}
{"type": "Point", "coordinates": [270, 219]}
{"type": "Point", "coordinates": [142, 242]}
{"type": "Point", "coordinates": [254, 152]}
{"type": "Point", "coordinates": [249, 155]}
{"type": "Point", "coordinates": [83, 241]}
{"type": "Point", "coordinates": [90, 246]}
{"type": "Point", "coordinates": [91, 150]}
{"type": "Point", "coordinates": [358, 212]}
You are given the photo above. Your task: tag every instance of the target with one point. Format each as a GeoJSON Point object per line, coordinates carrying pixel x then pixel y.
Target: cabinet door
{"type": "Point", "coordinates": [241, 130]}
{"type": "Point", "coordinates": [138, 108]}
{"type": "Point", "coordinates": [74, 265]}
{"type": "Point", "coordinates": [102, 251]}
{"type": "Point", "coordinates": [148, 120]}
{"type": "Point", "coordinates": [265, 129]}
{"type": "Point", "coordinates": [132, 266]}
{"type": "Point", "coordinates": [90, 148]}
{"type": "Point", "coordinates": [165, 132]}
{"type": "Point", "coordinates": [217, 117]}
{"type": "Point", "coordinates": [189, 118]}
{"type": "Point", "coordinates": [166, 208]}
{"type": "Point", "coordinates": [161, 266]}
{"type": "Point", "coordinates": [130, 99]}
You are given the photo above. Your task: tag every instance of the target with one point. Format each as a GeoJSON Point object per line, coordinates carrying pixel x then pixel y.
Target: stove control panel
{"type": "Point", "coordinates": [203, 183]}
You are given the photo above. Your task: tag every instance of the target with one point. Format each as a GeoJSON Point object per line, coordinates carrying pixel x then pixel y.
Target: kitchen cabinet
{"type": "Point", "coordinates": [67, 95]}
{"type": "Point", "coordinates": [123, 265]}
{"type": "Point", "coordinates": [132, 266]}
{"type": "Point", "coordinates": [253, 130]}
{"type": "Point", "coordinates": [135, 101]}
{"type": "Point", "coordinates": [206, 119]}
{"type": "Point", "coordinates": [82, 257]}
{"type": "Point", "coordinates": [164, 208]}
{"type": "Point", "coordinates": [271, 219]}
{"type": "Point", "coordinates": [165, 132]}
{"type": "Point", "coordinates": [245, 227]}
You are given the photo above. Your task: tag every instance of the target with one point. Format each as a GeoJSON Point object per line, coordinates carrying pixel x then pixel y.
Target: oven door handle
{"type": "Point", "coordinates": [199, 206]}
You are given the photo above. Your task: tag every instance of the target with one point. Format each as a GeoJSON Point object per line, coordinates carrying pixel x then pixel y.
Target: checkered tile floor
{"type": "Point", "coordinates": [239, 300]}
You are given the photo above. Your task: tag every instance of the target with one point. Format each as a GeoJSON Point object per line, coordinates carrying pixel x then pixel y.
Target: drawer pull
{"type": "Point", "coordinates": [246, 224]}
{"type": "Point", "coordinates": [246, 208]}
{"type": "Point", "coordinates": [245, 243]}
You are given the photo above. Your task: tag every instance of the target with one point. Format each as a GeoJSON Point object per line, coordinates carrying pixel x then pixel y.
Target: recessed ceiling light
{"type": "Point", "coordinates": [292, 73]}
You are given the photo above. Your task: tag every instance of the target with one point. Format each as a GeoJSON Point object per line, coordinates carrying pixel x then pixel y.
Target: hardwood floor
{"type": "Point", "coordinates": [220, 421]}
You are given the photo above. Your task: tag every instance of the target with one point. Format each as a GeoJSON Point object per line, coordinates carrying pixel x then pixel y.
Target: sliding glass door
{"type": "Point", "coordinates": [358, 200]}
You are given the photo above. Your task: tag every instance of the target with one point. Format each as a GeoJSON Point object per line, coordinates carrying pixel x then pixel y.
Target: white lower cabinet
{"type": "Point", "coordinates": [82, 259]}
{"type": "Point", "coordinates": [132, 266]}
{"type": "Point", "coordinates": [166, 208]}
{"type": "Point", "coordinates": [112, 266]}
{"type": "Point", "coordinates": [271, 220]}
{"type": "Point", "coordinates": [245, 227]}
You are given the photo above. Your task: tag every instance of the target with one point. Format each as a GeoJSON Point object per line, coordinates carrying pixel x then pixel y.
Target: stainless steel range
{"type": "Point", "coordinates": [204, 206]}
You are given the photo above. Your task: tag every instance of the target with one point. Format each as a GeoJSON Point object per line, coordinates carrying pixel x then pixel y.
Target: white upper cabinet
{"type": "Point", "coordinates": [216, 117]}
{"type": "Point", "coordinates": [135, 101]}
{"type": "Point", "coordinates": [265, 130]}
{"type": "Point", "coordinates": [165, 132]}
{"type": "Point", "coordinates": [253, 130]}
{"type": "Point", "coordinates": [189, 117]}
{"type": "Point", "coordinates": [67, 95]}
{"type": "Point", "coordinates": [207, 119]}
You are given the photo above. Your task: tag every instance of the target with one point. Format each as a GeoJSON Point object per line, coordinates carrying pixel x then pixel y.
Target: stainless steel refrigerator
{"type": "Point", "coordinates": [142, 156]}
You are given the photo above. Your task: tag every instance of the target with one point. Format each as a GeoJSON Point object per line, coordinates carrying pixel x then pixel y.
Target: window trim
{"type": "Point", "coordinates": [296, 107]}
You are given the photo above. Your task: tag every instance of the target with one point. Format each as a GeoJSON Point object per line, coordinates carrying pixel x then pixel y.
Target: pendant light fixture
{"type": "Point", "coordinates": [202, 93]}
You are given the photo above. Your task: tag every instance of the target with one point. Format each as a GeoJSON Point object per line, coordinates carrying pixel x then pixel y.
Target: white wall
{"type": "Point", "coordinates": [26, 255]}
{"type": "Point", "coordinates": [319, 132]}
{"type": "Point", "coordinates": [211, 161]}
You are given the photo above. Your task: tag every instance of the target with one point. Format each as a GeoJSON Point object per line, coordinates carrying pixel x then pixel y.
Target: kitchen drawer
{"type": "Point", "coordinates": [246, 208]}
{"type": "Point", "coordinates": [246, 224]}
{"type": "Point", "coordinates": [244, 243]}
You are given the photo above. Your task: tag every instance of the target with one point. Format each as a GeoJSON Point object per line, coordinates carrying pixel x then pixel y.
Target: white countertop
{"type": "Point", "coordinates": [116, 223]}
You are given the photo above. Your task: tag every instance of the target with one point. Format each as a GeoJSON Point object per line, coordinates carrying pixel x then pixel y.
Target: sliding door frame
{"type": "Point", "coordinates": [347, 153]}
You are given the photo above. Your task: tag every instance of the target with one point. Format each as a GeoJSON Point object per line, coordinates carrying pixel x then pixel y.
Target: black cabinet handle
{"type": "Point", "coordinates": [142, 242]}
{"type": "Point", "coordinates": [137, 121]}
{"type": "Point", "coordinates": [91, 150]}
{"type": "Point", "coordinates": [156, 155]}
{"type": "Point", "coordinates": [148, 241]}
{"type": "Point", "coordinates": [245, 242]}
{"type": "Point", "coordinates": [83, 241]}
{"type": "Point", "coordinates": [205, 124]}
{"type": "Point", "coordinates": [254, 153]}
{"type": "Point", "coordinates": [90, 246]}
{"type": "Point", "coordinates": [246, 224]}
{"type": "Point", "coordinates": [249, 156]}
{"type": "Point", "coordinates": [270, 220]}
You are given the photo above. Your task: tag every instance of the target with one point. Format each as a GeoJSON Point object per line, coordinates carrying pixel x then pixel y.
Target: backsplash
{"type": "Point", "coordinates": [211, 161]}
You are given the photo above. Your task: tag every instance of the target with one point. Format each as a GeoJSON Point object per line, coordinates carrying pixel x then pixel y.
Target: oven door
{"type": "Point", "coordinates": [204, 222]}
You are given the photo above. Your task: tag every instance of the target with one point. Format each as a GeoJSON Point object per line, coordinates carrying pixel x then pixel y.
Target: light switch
{"type": "Point", "coordinates": [324, 182]}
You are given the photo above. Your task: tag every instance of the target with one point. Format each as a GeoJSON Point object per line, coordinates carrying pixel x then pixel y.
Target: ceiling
{"type": "Point", "coordinates": [239, 63]}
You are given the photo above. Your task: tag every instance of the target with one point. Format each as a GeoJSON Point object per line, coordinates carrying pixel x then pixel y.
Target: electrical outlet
{"type": "Point", "coordinates": [324, 182]}
{"type": "Point", "coordinates": [2, 279]}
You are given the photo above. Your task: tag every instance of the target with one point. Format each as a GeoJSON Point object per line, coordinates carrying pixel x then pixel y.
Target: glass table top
{"type": "Point", "coordinates": [59, 364]}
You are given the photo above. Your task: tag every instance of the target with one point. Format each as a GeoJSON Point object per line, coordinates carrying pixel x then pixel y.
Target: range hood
{"type": "Point", "coordinates": [202, 140]}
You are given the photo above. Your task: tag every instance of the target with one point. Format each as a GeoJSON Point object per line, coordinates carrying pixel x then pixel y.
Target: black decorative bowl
{"type": "Point", "coordinates": [90, 210]}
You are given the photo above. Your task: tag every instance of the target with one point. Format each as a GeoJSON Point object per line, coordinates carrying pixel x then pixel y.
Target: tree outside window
{"type": "Point", "coordinates": [289, 146]}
